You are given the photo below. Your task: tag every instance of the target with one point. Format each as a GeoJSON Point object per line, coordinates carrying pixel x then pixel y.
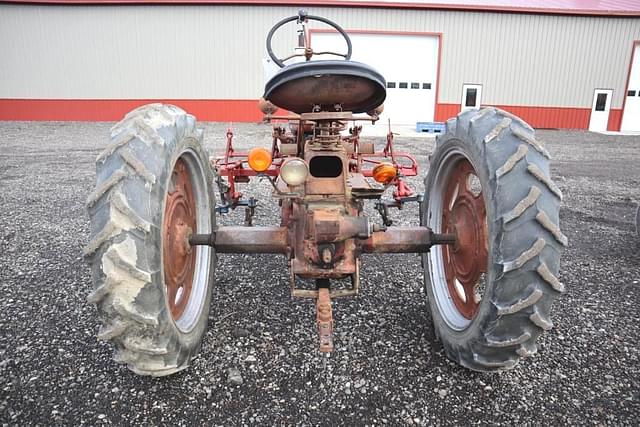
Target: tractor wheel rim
{"type": "Point", "coordinates": [464, 215]}
{"type": "Point", "coordinates": [186, 268]}
{"type": "Point", "coordinates": [179, 223]}
{"type": "Point", "coordinates": [457, 272]}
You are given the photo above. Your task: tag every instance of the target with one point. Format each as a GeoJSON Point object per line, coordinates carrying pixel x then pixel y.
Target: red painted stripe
{"type": "Point", "coordinates": [551, 117]}
{"type": "Point", "coordinates": [218, 110]}
{"type": "Point", "coordinates": [445, 111]}
{"type": "Point", "coordinates": [246, 110]}
{"type": "Point", "coordinates": [541, 117]}
{"type": "Point", "coordinates": [552, 7]}
{"type": "Point", "coordinates": [615, 120]}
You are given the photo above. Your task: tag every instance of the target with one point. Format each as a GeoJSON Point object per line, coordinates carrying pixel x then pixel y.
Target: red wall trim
{"type": "Point", "coordinates": [246, 110]}
{"type": "Point", "coordinates": [615, 119]}
{"type": "Point", "coordinates": [542, 117]}
{"type": "Point", "coordinates": [445, 111]}
{"type": "Point", "coordinates": [219, 110]}
{"type": "Point", "coordinates": [551, 117]}
{"type": "Point", "coordinates": [522, 7]}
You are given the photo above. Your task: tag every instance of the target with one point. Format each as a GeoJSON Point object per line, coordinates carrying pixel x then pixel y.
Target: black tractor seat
{"type": "Point", "coordinates": [352, 85]}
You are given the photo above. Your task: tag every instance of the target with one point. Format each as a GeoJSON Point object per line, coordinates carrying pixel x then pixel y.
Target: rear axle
{"type": "Point", "coordinates": [246, 240]}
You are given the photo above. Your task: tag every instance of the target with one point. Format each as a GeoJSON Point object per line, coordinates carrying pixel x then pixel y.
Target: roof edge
{"type": "Point", "coordinates": [347, 3]}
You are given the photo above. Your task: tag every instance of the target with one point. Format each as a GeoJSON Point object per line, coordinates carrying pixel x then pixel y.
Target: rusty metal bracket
{"type": "Point", "coordinates": [382, 206]}
{"type": "Point", "coordinates": [250, 211]}
{"type": "Point", "coordinates": [276, 189]}
{"type": "Point", "coordinates": [324, 320]}
{"type": "Point", "coordinates": [334, 293]}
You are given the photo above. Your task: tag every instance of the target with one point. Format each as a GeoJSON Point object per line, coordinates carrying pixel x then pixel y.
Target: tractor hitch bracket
{"type": "Point", "coordinates": [324, 320]}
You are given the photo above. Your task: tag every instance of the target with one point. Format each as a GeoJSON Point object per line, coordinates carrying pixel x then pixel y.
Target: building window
{"type": "Point", "coordinates": [426, 85]}
{"type": "Point", "coordinates": [601, 101]}
{"type": "Point", "coordinates": [415, 85]}
{"type": "Point", "coordinates": [403, 85]}
{"type": "Point", "coordinates": [470, 100]}
{"type": "Point", "coordinates": [631, 93]}
{"type": "Point", "coordinates": [391, 85]}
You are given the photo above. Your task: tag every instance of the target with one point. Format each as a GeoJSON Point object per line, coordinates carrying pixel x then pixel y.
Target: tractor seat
{"type": "Point", "coordinates": [301, 86]}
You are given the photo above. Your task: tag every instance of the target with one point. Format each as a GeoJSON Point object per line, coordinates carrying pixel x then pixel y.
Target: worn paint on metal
{"type": "Point", "coordinates": [178, 256]}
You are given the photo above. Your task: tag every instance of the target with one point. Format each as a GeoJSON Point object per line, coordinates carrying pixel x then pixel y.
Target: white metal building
{"type": "Point", "coordinates": [557, 63]}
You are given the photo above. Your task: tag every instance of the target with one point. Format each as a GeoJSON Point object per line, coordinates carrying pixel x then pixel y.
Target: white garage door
{"type": "Point", "coordinates": [409, 63]}
{"type": "Point", "coordinates": [631, 115]}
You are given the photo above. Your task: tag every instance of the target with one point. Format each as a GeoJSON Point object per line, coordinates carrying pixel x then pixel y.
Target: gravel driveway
{"type": "Point", "coordinates": [388, 367]}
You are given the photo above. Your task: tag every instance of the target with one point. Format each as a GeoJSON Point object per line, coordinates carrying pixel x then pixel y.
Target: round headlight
{"type": "Point", "coordinates": [294, 171]}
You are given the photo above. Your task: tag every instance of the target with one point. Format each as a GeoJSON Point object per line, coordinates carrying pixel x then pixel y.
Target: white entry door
{"type": "Point", "coordinates": [471, 96]}
{"type": "Point", "coordinates": [631, 114]}
{"type": "Point", "coordinates": [600, 110]}
{"type": "Point", "coordinates": [408, 62]}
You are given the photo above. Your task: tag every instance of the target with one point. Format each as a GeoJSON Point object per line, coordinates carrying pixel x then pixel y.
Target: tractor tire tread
{"type": "Point", "coordinates": [510, 163]}
{"type": "Point", "coordinates": [526, 281]}
{"type": "Point", "coordinates": [523, 205]}
{"type": "Point", "coordinates": [540, 176]}
{"type": "Point", "coordinates": [128, 170]}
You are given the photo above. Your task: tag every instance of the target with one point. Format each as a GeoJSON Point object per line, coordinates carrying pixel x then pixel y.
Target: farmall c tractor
{"type": "Point", "coordinates": [488, 235]}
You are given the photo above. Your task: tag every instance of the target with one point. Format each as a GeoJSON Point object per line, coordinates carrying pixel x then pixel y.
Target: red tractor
{"type": "Point", "coordinates": [488, 236]}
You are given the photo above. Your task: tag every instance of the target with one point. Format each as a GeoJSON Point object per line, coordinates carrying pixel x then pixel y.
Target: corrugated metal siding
{"type": "Point", "coordinates": [215, 52]}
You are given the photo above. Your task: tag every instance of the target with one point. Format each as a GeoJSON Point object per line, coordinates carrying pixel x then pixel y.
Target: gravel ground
{"type": "Point", "coordinates": [388, 367]}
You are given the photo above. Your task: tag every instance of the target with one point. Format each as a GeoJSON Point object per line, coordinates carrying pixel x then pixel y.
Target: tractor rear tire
{"type": "Point", "coordinates": [518, 240]}
{"type": "Point", "coordinates": [155, 329]}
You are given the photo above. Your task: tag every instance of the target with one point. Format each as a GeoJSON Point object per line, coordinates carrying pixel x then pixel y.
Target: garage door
{"type": "Point", "coordinates": [409, 63]}
{"type": "Point", "coordinates": [631, 115]}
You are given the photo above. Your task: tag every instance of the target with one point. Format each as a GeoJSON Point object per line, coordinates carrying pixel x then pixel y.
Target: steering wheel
{"type": "Point", "coordinates": [302, 17]}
